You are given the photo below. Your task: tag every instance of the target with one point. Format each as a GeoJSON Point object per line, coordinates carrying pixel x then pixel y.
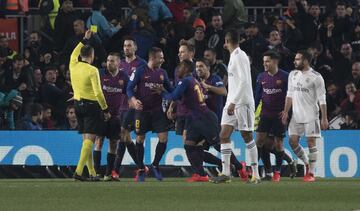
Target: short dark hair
{"type": "Point", "coordinates": [69, 107]}
{"type": "Point", "coordinates": [187, 64]}
{"type": "Point", "coordinates": [35, 32]}
{"type": "Point", "coordinates": [153, 51]}
{"type": "Point", "coordinates": [341, 3]}
{"type": "Point", "coordinates": [97, 4]}
{"type": "Point", "coordinates": [212, 50]}
{"type": "Point", "coordinates": [35, 109]}
{"type": "Point", "coordinates": [114, 54]}
{"type": "Point", "coordinates": [314, 4]}
{"type": "Point", "coordinates": [49, 67]}
{"type": "Point", "coordinates": [233, 36]}
{"type": "Point", "coordinates": [306, 55]}
{"type": "Point", "coordinates": [205, 61]}
{"type": "Point", "coordinates": [129, 38]}
{"type": "Point", "coordinates": [86, 51]}
{"type": "Point", "coordinates": [214, 14]}
{"type": "Point", "coordinates": [189, 47]}
{"type": "Point", "coordinates": [272, 54]}
{"type": "Point", "coordinates": [47, 106]}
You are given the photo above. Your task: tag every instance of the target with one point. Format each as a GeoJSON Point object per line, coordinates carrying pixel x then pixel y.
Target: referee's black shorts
{"type": "Point", "coordinates": [89, 116]}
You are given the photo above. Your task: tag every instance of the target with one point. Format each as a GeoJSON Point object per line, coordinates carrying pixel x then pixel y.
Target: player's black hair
{"type": "Point", "coordinates": [306, 55]}
{"type": "Point", "coordinates": [187, 64]}
{"type": "Point", "coordinates": [153, 51]}
{"type": "Point", "coordinates": [205, 61]}
{"type": "Point", "coordinates": [97, 4]}
{"type": "Point", "coordinates": [129, 38]}
{"type": "Point", "coordinates": [272, 54]}
{"type": "Point", "coordinates": [233, 36]}
{"type": "Point", "coordinates": [114, 54]}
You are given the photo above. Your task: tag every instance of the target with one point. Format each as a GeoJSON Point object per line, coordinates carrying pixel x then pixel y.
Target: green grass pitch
{"type": "Point", "coordinates": [175, 194]}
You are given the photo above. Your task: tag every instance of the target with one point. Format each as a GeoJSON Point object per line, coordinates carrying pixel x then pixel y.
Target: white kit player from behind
{"type": "Point", "coordinates": [238, 113]}
{"type": "Point", "coordinates": [306, 91]}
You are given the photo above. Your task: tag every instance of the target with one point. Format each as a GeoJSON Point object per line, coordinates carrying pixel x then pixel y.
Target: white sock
{"type": "Point", "coordinates": [225, 158]}
{"type": "Point", "coordinates": [251, 146]}
{"type": "Point", "coordinates": [300, 153]}
{"type": "Point", "coordinates": [312, 159]}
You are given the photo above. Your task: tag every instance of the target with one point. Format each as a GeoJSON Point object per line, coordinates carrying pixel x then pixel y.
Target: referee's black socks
{"type": "Point", "coordinates": [97, 160]}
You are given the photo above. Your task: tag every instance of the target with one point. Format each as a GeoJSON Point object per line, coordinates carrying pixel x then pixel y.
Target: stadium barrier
{"type": "Point", "coordinates": [339, 151]}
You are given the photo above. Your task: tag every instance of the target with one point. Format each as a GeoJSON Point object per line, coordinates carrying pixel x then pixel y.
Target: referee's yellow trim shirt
{"type": "Point", "coordinates": [85, 79]}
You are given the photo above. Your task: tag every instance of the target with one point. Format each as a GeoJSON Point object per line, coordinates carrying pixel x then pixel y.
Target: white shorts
{"type": "Point", "coordinates": [243, 118]}
{"type": "Point", "coordinates": [311, 129]}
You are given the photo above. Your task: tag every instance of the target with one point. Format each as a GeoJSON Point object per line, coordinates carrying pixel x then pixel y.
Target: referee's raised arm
{"type": "Point", "coordinates": [90, 105]}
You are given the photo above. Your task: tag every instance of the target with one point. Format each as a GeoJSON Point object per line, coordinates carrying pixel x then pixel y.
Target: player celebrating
{"type": "Point", "coordinates": [114, 82]}
{"type": "Point", "coordinates": [306, 90]}
{"type": "Point", "coordinates": [239, 109]}
{"type": "Point", "coordinates": [128, 65]}
{"type": "Point", "coordinates": [271, 87]}
{"type": "Point", "coordinates": [201, 123]}
{"type": "Point", "coordinates": [149, 115]}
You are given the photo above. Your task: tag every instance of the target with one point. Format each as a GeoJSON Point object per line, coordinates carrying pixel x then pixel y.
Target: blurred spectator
{"type": "Point", "coordinates": [333, 100]}
{"type": "Point", "coordinates": [321, 62]}
{"type": "Point", "coordinates": [176, 7]}
{"type": "Point", "coordinates": [5, 64]}
{"type": "Point", "coordinates": [64, 23]}
{"type": "Point", "coordinates": [104, 29]}
{"type": "Point", "coordinates": [71, 122]}
{"type": "Point", "coordinates": [255, 45]}
{"type": "Point", "coordinates": [139, 16]}
{"type": "Point", "coordinates": [14, 78]}
{"type": "Point", "coordinates": [355, 74]}
{"type": "Point", "coordinates": [291, 36]}
{"type": "Point", "coordinates": [38, 79]}
{"type": "Point", "coordinates": [36, 48]}
{"type": "Point", "coordinates": [343, 25]}
{"type": "Point", "coordinates": [53, 95]}
{"type": "Point", "coordinates": [309, 23]}
{"type": "Point", "coordinates": [342, 63]}
{"type": "Point", "coordinates": [216, 36]}
{"type": "Point", "coordinates": [350, 121]}
{"type": "Point", "coordinates": [199, 42]}
{"type": "Point", "coordinates": [185, 30]}
{"type": "Point", "coordinates": [158, 11]}
{"type": "Point", "coordinates": [234, 15]}
{"type": "Point", "coordinates": [4, 44]}
{"type": "Point", "coordinates": [34, 118]}
{"type": "Point", "coordinates": [216, 67]}
{"type": "Point", "coordinates": [9, 103]}
{"type": "Point", "coordinates": [276, 44]}
{"type": "Point", "coordinates": [79, 29]}
{"type": "Point", "coordinates": [352, 101]}
{"type": "Point", "coordinates": [48, 123]}
{"type": "Point", "coordinates": [206, 10]}
{"type": "Point", "coordinates": [355, 40]}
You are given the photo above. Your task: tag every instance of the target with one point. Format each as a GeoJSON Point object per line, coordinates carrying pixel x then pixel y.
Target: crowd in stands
{"type": "Point", "coordinates": [35, 88]}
